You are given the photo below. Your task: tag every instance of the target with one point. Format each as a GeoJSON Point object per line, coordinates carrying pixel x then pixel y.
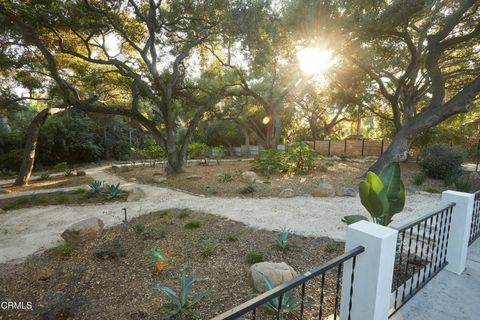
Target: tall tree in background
{"type": "Point", "coordinates": [146, 45]}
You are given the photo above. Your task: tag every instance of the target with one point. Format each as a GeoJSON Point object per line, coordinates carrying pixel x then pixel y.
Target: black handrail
{"type": "Point", "coordinates": [278, 291]}
{"type": "Point", "coordinates": [423, 218]}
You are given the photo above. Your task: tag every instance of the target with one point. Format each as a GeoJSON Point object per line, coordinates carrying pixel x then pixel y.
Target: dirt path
{"type": "Point", "coordinates": [25, 231]}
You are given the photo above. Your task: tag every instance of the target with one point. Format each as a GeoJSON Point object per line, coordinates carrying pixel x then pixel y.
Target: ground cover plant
{"type": "Point", "coordinates": [127, 287]}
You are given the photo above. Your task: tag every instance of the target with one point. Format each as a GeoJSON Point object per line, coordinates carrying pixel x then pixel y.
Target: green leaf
{"type": "Point", "coordinates": [354, 218]}
{"type": "Point", "coordinates": [197, 298]}
{"type": "Point", "coordinates": [375, 183]}
{"type": "Point", "coordinates": [378, 203]}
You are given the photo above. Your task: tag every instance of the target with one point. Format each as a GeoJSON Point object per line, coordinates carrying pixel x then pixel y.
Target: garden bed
{"type": "Point", "coordinates": [76, 197]}
{"type": "Point", "coordinates": [50, 183]}
{"type": "Point", "coordinates": [337, 173]}
{"type": "Point", "coordinates": [126, 288]}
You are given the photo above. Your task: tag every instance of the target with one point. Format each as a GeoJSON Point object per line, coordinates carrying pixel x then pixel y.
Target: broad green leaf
{"type": "Point", "coordinates": [364, 191]}
{"type": "Point", "coordinates": [378, 203]}
{"type": "Point", "coordinates": [354, 218]}
{"type": "Point", "coordinates": [374, 181]}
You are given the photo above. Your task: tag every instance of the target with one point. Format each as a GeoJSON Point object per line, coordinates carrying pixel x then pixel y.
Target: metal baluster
{"type": "Point", "coordinates": [399, 268]}
{"type": "Point", "coordinates": [415, 257]}
{"type": "Point", "coordinates": [254, 314]}
{"type": "Point", "coordinates": [352, 278]}
{"type": "Point", "coordinates": [428, 247]}
{"type": "Point", "coordinates": [339, 273]}
{"type": "Point", "coordinates": [444, 229]}
{"type": "Point", "coordinates": [421, 253]}
{"type": "Point", "coordinates": [302, 306]}
{"type": "Point", "coordinates": [434, 244]}
{"type": "Point", "coordinates": [320, 313]}
{"type": "Point", "coordinates": [406, 267]}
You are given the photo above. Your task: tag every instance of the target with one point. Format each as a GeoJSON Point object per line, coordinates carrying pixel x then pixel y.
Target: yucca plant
{"type": "Point", "coordinates": [281, 239]}
{"type": "Point", "coordinates": [289, 302]}
{"type": "Point", "coordinates": [96, 186]}
{"type": "Point", "coordinates": [112, 191]}
{"type": "Point", "coordinates": [383, 196]}
{"type": "Point", "coordinates": [181, 304]}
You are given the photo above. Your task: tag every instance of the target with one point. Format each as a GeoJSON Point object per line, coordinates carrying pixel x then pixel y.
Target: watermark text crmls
{"type": "Point", "coordinates": [16, 305]}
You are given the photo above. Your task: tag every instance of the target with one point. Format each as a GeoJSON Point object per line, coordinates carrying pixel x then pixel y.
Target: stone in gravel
{"type": "Point", "coordinates": [346, 192]}
{"type": "Point", "coordinates": [157, 174]}
{"type": "Point", "coordinates": [286, 193]}
{"type": "Point", "coordinates": [158, 179]}
{"type": "Point", "coordinates": [249, 177]}
{"type": "Point", "coordinates": [323, 189]}
{"type": "Point", "coordinates": [109, 250]}
{"type": "Point", "coordinates": [2, 211]}
{"type": "Point", "coordinates": [135, 194]}
{"type": "Point", "coordinates": [194, 177]}
{"type": "Point", "coordinates": [84, 230]}
{"type": "Point", "coordinates": [278, 273]}
{"type": "Point", "coordinates": [132, 179]}
{"type": "Point", "coordinates": [81, 173]}
{"type": "Point", "coordinates": [125, 168]}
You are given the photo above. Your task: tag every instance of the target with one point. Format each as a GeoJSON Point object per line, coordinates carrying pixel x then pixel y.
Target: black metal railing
{"type": "Point", "coordinates": [312, 295]}
{"type": "Point", "coordinates": [421, 254]}
{"type": "Point", "coordinates": [475, 226]}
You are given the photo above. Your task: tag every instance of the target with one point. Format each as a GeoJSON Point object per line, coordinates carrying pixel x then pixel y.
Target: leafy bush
{"type": "Point", "coordinates": [330, 247]}
{"type": "Point", "coordinates": [64, 249]}
{"type": "Point", "coordinates": [207, 249]}
{"type": "Point", "coordinates": [68, 172]}
{"type": "Point", "coordinates": [463, 184]}
{"type": "Point", "coordinates": [180, 304]}
{"type": "Point", "coordinates": [45, 176]}
{"type": "Point", "coordinates": [62, 166]}
{"type": "Point", "coordinates": [183, 214]}
{"type": "Point", "coordinates": [441, 162]}
{"type": "Point", "coordinates": [268, 161]}
{"type": "Point", "coordinates": [153, 152]}
{"type": "Point", "coordinates": [194, 224]}
{"type": "Point", "coordinates": [250, 188]}
{"type": "Point", "coordinates": [419, 178]}
{"type": "Point", "coordinates": [281, 239]}
{"type": "Point", "coordinates": [197, 150]}
{"type": "Point", "coordinates": [383, 196]}
{"type": "Point", "coordinates": [232, 238]}
{"type": "Point", "coordinates": [225, 177]}
{"type": "Point", "coordinates": [254, 257]}
{"type": "Point", "coordinates": [112, 191]}
{"type": "Point", "coordinates": [299, 159]}
{"type": "Point", "coordinates": [139, 228]}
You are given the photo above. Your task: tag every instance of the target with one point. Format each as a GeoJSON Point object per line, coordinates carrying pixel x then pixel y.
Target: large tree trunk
{"type": "Point", "coordinates": [31, 145]}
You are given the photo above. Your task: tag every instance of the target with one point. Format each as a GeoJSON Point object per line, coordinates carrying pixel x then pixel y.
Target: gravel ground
{"type": "Point", "coordinates": [24, 231]}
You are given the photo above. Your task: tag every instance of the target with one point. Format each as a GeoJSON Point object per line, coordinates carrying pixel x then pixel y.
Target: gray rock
{"type": "Point", "coordinates": [194, 177]}
{"type": "Point", "coordinates": [249, 177]}
{"type": "Point", "coordinates": [125, 169]}
{"type": "Point", "coordinates": [346, 192]}
{"type": "Point", "coordinates": [287, 193]}
{"type": "Point", "coordinates": [158, 179]}
{"type": "Point", "coordinates": [84, 230]}
{"type": "Point", "coordinates": [109, 250]}
{"type": "Point", "coordinates": [410, 190]}
{"type": "Point", "coordinates": [132, 179]}
{"type": "Point", "coordinates": [323, 189]}
{"type": "Point", "coordinates": [2, 211]}
{"type": "Point", "coordinates": [135, 194]}
{"type": "Point", "coordinates": [81, 173]}
{"type": "Point", "coordinates": [278, 273]}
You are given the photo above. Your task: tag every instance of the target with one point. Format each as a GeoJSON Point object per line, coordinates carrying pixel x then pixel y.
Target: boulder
{"type": "Point", "coordinates": [158, 179]}
{"type": "Point", "coordinates": [115, 168]}
{"type": "Point", "coordinates": [125, 169]}
{"type": "Point", "coordinates": [132, 179]}
{"type": "Point", "coordinates": [323, 189]}
{"type": "Point", "coordinates": [346, 192]}
{"type": "Point", "coordinates": [249, 177]}
{"type": "Point", "coordinates": [194, 177]}
{"type": "Point", "coordinates": [84, 230]}
{"type": "Point", "coordinates": [135, 194]}
{"type": "Point", "coordinates": [287, 193]}
{"type": "Point", "coordinates": [278, 273]}
{"type": "Point", "coordinates": [81, 173]}
{"type": "Point", "coordinates": [109, 250]}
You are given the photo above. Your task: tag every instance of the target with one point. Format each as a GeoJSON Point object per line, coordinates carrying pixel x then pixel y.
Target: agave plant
{"type": "Point", "coordinates": [180, 304]}
{"type": "Point", "coordinates": [383, 196]}
{"type": "Point", "coordinates": [281, 239]}
{"type": "Point", "coordinates": [96, 186]}
{"type": "Point", "coordinates": [289, 302]}
{"type": "Point", "coordinates": [112, 191]}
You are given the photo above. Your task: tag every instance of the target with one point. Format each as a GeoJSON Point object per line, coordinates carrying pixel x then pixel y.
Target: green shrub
{"type": "Point", "coordinates": [194, 224]}
{"type": "Point", "coordinates": [184, 214]}
{"type": "Point", "coordinates": [207, 249]}
{"type": "Point", "coordinates": [45, 176]}
{"type": "Point", "coordinates": [463, 184]}
{"type": "Point", "coordinates": [299, 159]}
{"type": "Point", "coordinates": [62, 166]}
{"type": "Point", "coordinates": [330, 247]}
{"type": "Point", "coordinates": [68, 172]}
{"type": "Point", "coordinates": [139, 228]}
{"type": "Point", "coordinates": [441, 162]}
{"type": "Point", "coordinates": [250, 188]}
{"type": "Point", "coordinates": [432, 190]}
{"type": "Point", "coordinates": [281, 239]}
{"type": "Point", "coordinates": [197, 150]}
{"type": "Point", "coordinates": [419, 178]}
{"type": "Point", "coordinates": [268, 161]}
{"type": "Point", "coordinates": [112, 191]}
{"type": "Point", "coordinates": [225, 177]}
{"type": "Point", "coordinates": [232, 238]}
{"type": "Point", "coordinates": [254, 257]}
{"type": "Point", "coordinates": [64, 249]}
{"type": "Point", "coordinates": [153, 152]}
{"type": "Point", "coordinates": [96, 186]}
